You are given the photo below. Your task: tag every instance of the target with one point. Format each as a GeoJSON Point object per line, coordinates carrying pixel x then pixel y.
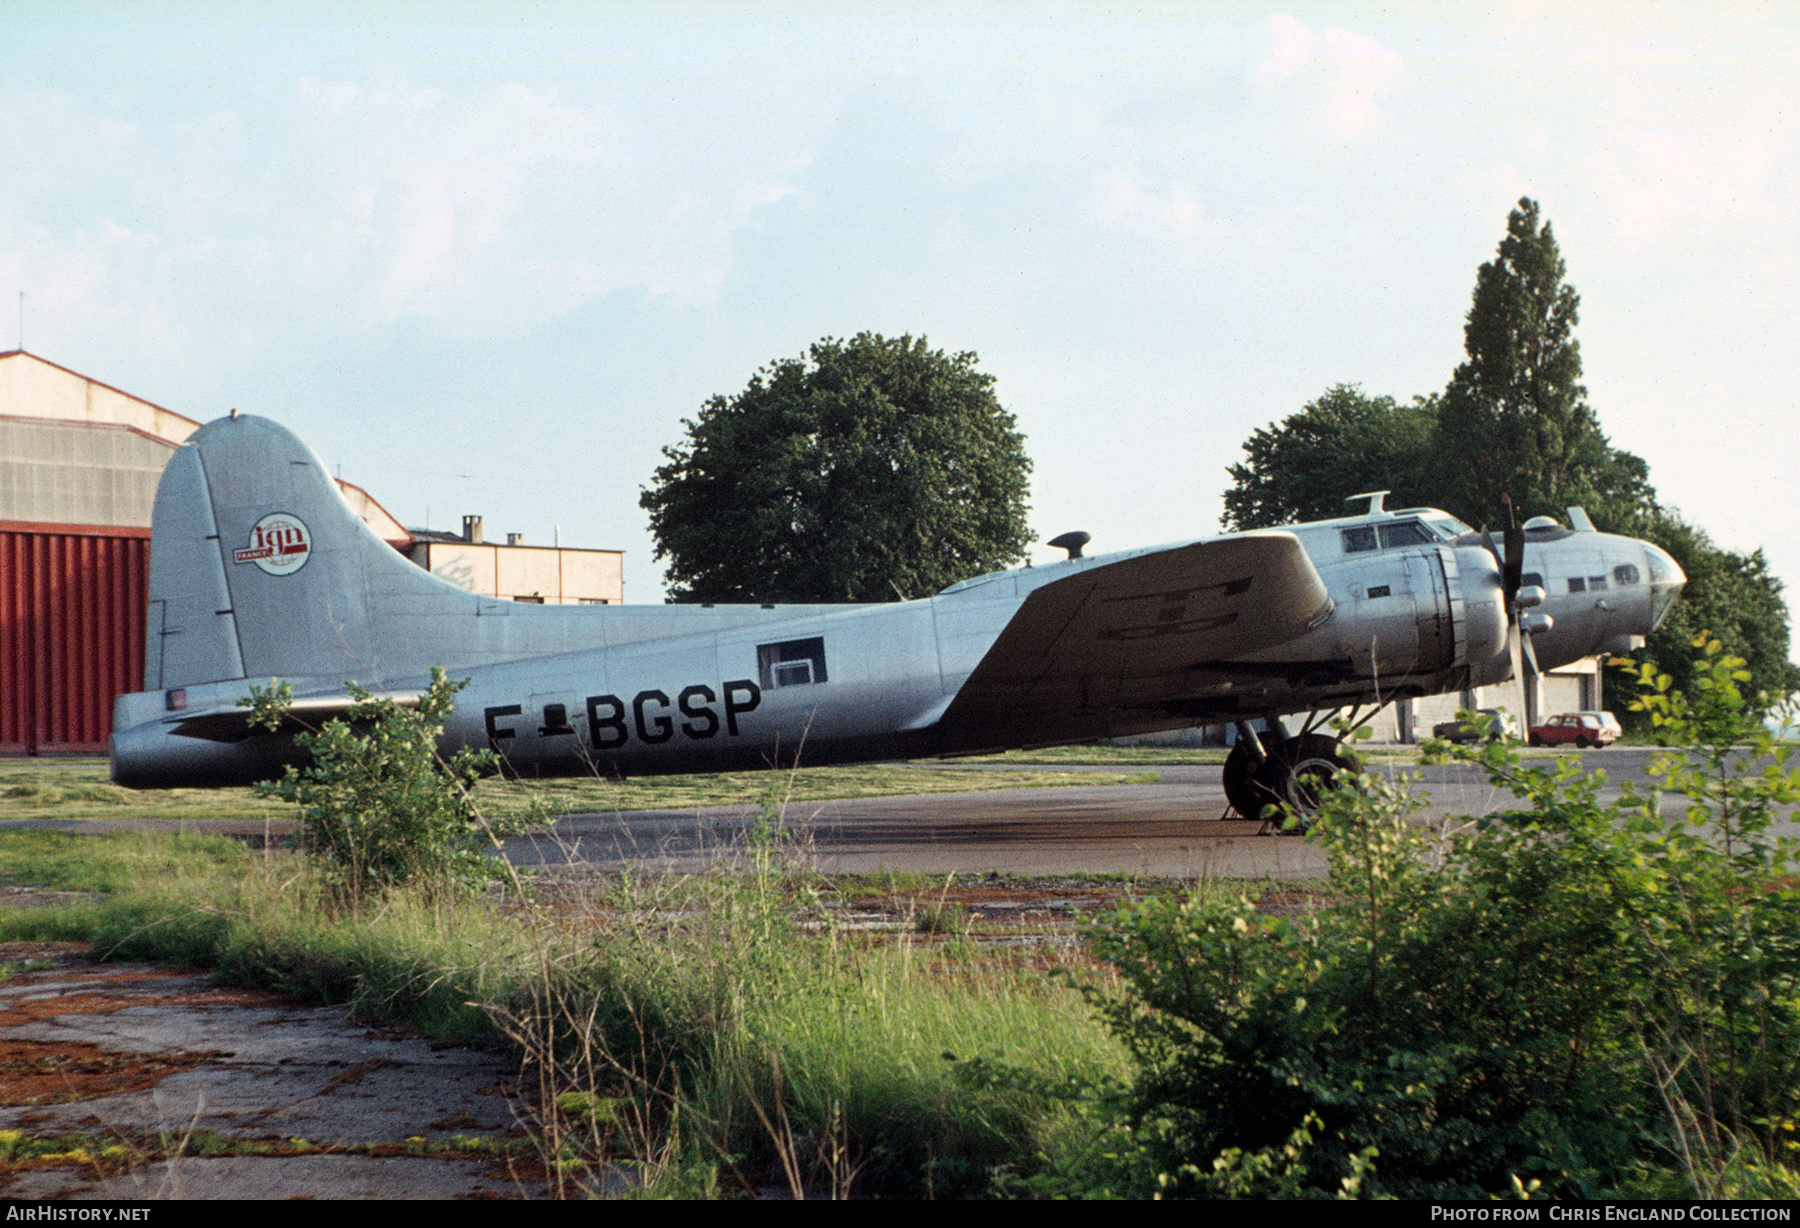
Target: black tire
{"type": "Point", "coordinates": [1299, 771]}
{"type": "Point", "coordinates": [1239, 789]}
{"type": "Point", "coordinates": [1536, 741]}
{"type": "Point", "coordinates": [1581, 741]}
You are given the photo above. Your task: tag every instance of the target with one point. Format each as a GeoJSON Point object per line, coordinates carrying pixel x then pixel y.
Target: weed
{"type": "Point", "coordinates": [380, 807]}
{"type": "Point", "coordinates": [1576, 998]}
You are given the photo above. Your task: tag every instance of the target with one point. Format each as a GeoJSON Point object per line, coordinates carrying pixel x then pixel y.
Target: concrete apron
{"type": "Point", "coordinates": [124, 1061]}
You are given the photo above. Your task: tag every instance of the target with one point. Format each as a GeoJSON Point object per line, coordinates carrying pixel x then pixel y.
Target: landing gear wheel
{"type": "Point", "coordinates": [1240, 791]}
{"type": "Point", "coordinates": [1299, 772]}
{"type": "Point", "coordinates": [1294, 773]}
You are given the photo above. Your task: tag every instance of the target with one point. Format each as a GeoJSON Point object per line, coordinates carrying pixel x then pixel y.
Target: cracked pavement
{"type": "Point", "coordinates": [141, 1058]}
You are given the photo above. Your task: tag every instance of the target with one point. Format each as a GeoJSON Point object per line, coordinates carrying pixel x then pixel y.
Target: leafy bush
{"type": "Point", "coordinates": [1576, 997]}
{"type": "Point", "coordinates": [379, 806]}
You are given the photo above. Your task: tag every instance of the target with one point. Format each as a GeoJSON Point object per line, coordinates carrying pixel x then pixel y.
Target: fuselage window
{"type": "Point", "coordinates": [791, 663]}
{"type": "Point", "coordinates": [1596, 584]}
{"type": "Point", "coordinates": [1577, 584]}
{"type": "Point", "coordinates": [1531, 579]}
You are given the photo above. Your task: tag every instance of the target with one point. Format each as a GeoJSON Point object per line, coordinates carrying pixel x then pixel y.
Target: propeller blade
{"type": "Point", "coordinates": [1513, 568]}
{"type": "Point", "coordinates": [1514, 652]}
{"type": "Point", "coordinates": [1518, 647]}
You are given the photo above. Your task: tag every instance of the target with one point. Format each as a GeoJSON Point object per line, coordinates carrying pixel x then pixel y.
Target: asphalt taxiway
{"type": "Point", "coordinates": [1171, 828]}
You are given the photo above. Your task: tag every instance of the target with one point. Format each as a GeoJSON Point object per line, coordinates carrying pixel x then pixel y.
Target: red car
{"type": "Point", "coordinates": [1582, 728]}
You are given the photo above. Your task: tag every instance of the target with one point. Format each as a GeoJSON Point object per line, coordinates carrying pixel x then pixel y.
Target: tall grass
{"type": "Point", "coordinates": [697, 1033]}
{"type": "Point", "coordinates": [753, 1052]}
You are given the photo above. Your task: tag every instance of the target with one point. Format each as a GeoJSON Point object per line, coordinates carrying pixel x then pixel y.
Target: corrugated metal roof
{"type": "Point", "coordinates": [78, 472]}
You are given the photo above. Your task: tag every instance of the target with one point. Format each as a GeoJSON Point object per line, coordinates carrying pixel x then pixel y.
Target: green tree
{"type": "Point", "coordinates": [1344, 443]}
{"type": "Point", "coordinates": [1515, 418]}
{"type": "Point", "coordinates": [867, 469]}
{"type": "Point", "coordinates": [1733, 597]}
{"type": "Point", "coordinates": [1514, 421]}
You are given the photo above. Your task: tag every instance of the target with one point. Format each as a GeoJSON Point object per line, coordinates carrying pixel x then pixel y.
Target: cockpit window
{"type": "Point", "coordinates": [1624, 574]}
{"type": "Point", "coordinates": [1387, 535]}
{"type": "Point", "coordinates": [1403, 533]}
{"type": "Point", "coordinates": [1449, 526]}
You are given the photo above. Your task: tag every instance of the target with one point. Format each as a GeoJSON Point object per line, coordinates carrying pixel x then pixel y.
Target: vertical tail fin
{"type": "Point", "coordinates": [260, 568]}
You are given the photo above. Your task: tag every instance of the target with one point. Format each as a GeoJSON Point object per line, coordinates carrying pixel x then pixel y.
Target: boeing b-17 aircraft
{"type": "Point", "coordinates": [260, 570]}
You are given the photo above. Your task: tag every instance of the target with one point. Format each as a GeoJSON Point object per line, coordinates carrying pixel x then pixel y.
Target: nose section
{"type": "Point", "coordinates": [1666, 581]}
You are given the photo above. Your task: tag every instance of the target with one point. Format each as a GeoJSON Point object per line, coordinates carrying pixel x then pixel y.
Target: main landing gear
{"type": "Point", "coordinates": [1273, 769]}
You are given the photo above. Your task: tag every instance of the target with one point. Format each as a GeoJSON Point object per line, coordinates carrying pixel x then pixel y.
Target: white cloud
{"type": "Point", "coordinates": [1126, 196]}
{"type": "Point", "coordinates": [1341, 74]}
{"type": "Point", "coordinates": [443, 196]}
{"type": "Point", "coordinates": [1293, 49]}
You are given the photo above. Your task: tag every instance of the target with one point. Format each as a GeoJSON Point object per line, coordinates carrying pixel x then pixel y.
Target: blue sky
{"type": "Point", "coordinates": [486, 258]}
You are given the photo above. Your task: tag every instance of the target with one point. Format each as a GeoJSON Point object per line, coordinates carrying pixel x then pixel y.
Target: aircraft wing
{"type": "Point", "coordinates": [1129, 635]}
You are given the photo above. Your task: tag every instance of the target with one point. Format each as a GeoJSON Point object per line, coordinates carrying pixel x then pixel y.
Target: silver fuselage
{"type": "Point", "coordinates": [1350, 611]}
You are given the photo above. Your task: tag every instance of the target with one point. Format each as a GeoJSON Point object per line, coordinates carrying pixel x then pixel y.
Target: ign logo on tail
{"type": "Point", "coordinates": [279, 544]}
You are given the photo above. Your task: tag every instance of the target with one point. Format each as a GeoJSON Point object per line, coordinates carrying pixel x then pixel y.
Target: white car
{"type": "Point", "coordinates": [1488, 725]}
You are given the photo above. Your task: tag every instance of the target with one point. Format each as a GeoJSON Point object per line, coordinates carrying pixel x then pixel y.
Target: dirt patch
{"type": "Point", "coordinates": [56, 1073]}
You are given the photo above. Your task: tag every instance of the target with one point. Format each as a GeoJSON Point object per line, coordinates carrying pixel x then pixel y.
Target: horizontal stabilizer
{"type": "Point", "coordinates": [303, 715]}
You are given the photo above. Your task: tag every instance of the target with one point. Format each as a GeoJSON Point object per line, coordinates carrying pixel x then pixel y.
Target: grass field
{"type": "Point", "coordinates": [1154, 756]}
{"type": "Point", "coordinates": [78, 788]}
{"type": "Point", "coordinates": [715, 1034]}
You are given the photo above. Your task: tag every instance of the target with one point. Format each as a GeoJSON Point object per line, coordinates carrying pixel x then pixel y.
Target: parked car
{"type": "Point", "coordinates": [1489, 724]}
{"type": "Point", "coordinates": [1607, 719]}
{"type": "Point", "coordinates": [1584, 729]}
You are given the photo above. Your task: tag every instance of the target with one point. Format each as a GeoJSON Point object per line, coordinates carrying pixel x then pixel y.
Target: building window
{"type": "Point", "coordinates": [791, 663]}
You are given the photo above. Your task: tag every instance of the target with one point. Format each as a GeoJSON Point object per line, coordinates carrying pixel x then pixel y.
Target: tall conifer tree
{"type": "Point", "coordinates": [1515, 418]}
